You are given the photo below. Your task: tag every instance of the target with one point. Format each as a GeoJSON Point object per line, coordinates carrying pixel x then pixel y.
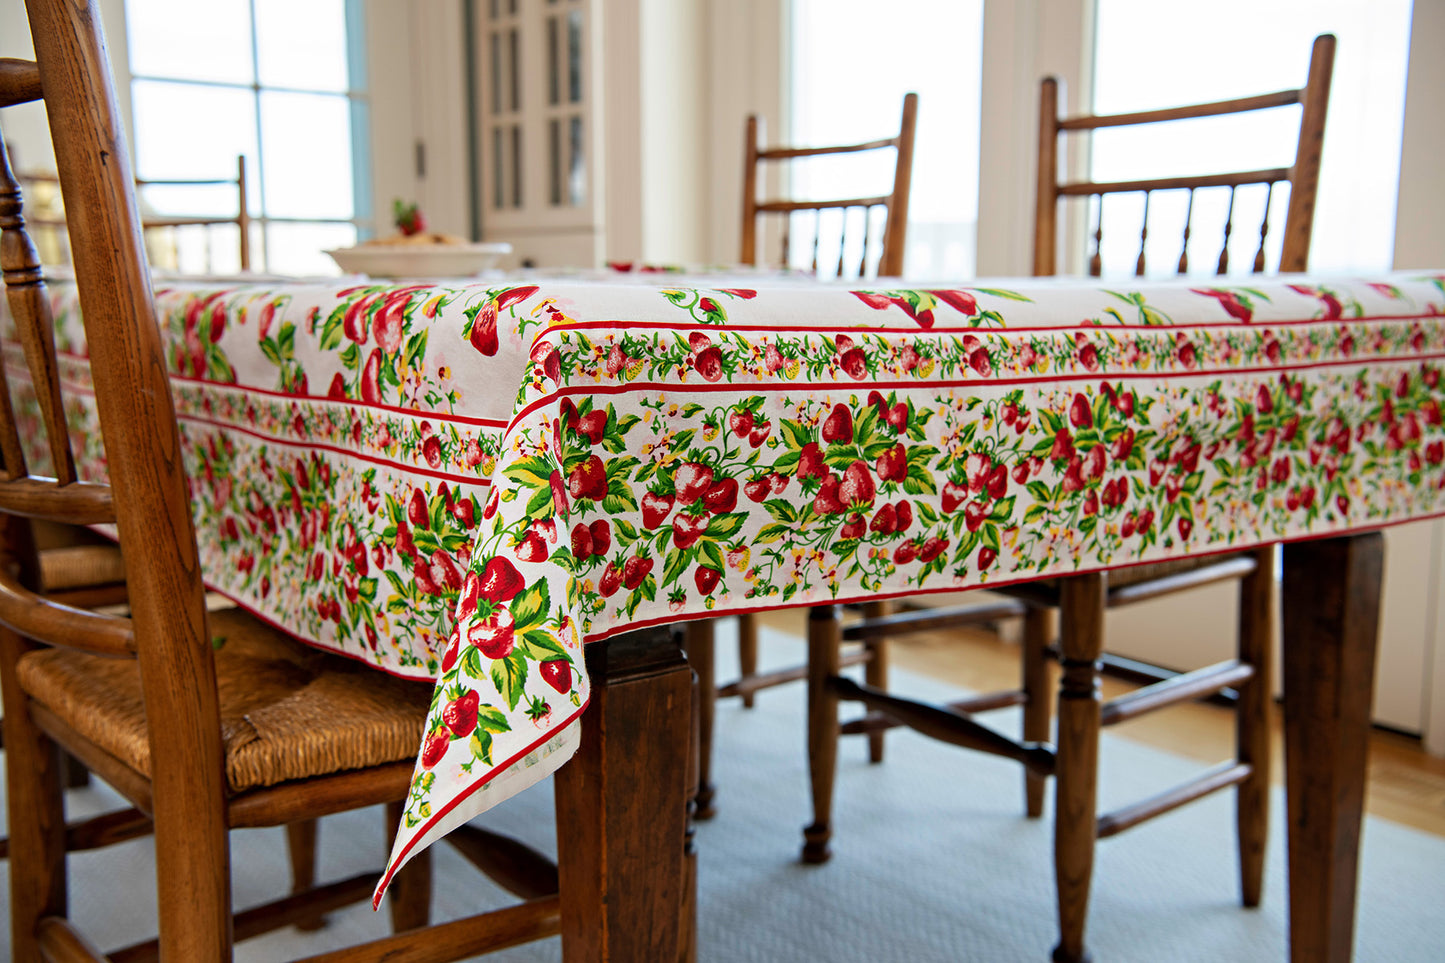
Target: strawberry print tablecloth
{"type": "Point", "coordinates": [468, 481]}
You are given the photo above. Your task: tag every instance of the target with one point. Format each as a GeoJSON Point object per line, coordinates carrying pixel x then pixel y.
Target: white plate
{"type": "Point", "coordinates": [419, 260]}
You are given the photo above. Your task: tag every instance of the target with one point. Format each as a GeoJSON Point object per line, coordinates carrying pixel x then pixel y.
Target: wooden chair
{"type": "Point", "coordinates": [49, 224]}
{"type": "Point", "coordinates": [1082, 600]}
{"type": "Point", "coordinates": [170, 720]}
{"type": "Point", "coordinates": [886, 262]}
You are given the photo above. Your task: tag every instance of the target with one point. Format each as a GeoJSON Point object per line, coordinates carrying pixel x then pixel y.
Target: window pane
{"type": "Point", "coordinates": [190, 131]}
{"type": "Point", "coordinates": [307, 155]}
{"type": "Point", "coordinates": [189, 40]}
{"type": "Point", "coordinates": [1139, 64]}
{"type": "Point", "coordinates": [302, 44]}
{"type": "Point", "coordinates": [933, 48]}
{"type": "Point", "coordinates": [298, 248]}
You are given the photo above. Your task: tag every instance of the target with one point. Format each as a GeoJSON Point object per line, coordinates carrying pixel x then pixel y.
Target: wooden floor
{"type": "Point", "coordinates": [1406, 784]}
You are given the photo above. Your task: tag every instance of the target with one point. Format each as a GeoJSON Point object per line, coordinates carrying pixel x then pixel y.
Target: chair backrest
{"type": "Point", "coordinates": [894, 204]}
{"type": "Point", "coordinates": [146, 496]}
{"type": "Point", "coordinates": [1302, 176]}
{"type": "Point", "coordinates": [48, 221]}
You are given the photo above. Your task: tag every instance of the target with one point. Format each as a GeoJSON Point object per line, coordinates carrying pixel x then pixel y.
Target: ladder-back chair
{"type": "Point", "coordinates": [887, 262]}
{"type": "Point", "coordinates": [894, 204]}
{"type": "Point", "coordinates": [159, 702]}
{"type": "Point", "coordinates": [1082, 600]}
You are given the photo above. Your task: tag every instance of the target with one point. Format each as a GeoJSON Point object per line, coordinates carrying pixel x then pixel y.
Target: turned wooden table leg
{"type": "Point", "coordinates": [1081, 639]}
{"type": "Point", "coordinates": [698, 644]}
{"type": "Point", "coordinates": [824, 644]}
{"type": "Point", "coordinates": [875, 670]}
{"type": "Point", "coordinates": [1331, 621]}
{"type": "Point", "coordinates": [622, 806]}
{"type": "Point", "coordinates": [748, 651]}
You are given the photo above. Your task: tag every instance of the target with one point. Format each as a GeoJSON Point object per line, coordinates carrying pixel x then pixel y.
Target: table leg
{"type": "Point", "coordinates": [1331, 620]}
{"type": "Point", "coordinates": [699, 646]}
{"type": "Point", "coordinates": [622, 806]}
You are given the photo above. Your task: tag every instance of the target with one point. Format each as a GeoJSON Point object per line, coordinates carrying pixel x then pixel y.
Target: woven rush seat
{"type": "Point", "coordinates": [288, 711]}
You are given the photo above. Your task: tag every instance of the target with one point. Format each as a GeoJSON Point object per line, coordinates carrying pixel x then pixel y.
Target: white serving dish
{"type": "Point", "coordinates": [419, 260]}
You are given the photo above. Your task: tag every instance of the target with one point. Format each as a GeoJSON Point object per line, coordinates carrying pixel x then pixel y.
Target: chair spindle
{"type": "Point", "coordinates": [1184, 249]}
{"type": "Point", "coordinates": [1096, 263]}
{"type": "Point", "coordinates": [787, 230]}
{"type": "Point", "coordinates": [867, 232]}
{"type": "Point", "coordinates": [817, 233]}
{"type": "Point", "coordinates": [1143, 238]}
{"type": "Point", "coordinates": [1228, 227]}
{"type": "Point", "coordinates": [25, 290]}
{"type": "Point", "coordinates": [842, 240]}
{"type": "Point", "coordinates": [1263, 229]}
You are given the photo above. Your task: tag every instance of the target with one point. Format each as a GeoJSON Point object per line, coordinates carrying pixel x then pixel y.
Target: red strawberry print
{"type": "Point", "coordinates": [885, 520]}
{"type": "Point", "coordinates": [531, 548]}
{"type": "Point", "coordinates": [979, 361]}
{"type": "Point", "coordinates": [810, 461]}
{"type": "Point", "coordinates": [337, 391]}
{"type": "Point", "coordinates": [388, 325]}
{"type": "Point", "coordinates": [444, 571]}
{"type": "Point", "coordinates": [1186, 525]}
{"type": "Point", "coordinates": [634, 570]}
{"type": "Point", "coordinates": [757, 489]}
{"type": "Point", "coordinates": [460, 714]}
{"type": "Point", "coordinates": [708, 363]}
{"type": "Point", "coordinates": [559, 493]}
{"type": "Point", "coordinates": [692, 480]}
{"type": "Point", "coordinates": [854, 527]}
{"type": "Point", "coordinates": [698, 340]}
{"type": "Point", "coordinates": [838, 426]}
{"type": "Point", "coordinates": [826, 502]}
{"type": "Point", "coordinates": [588, 480]}
{"type": "Point", "coordinates": [431, 450]}
{"type": "Point", "coordinates": [905, 553]}
{"type": "Point", "coordinates": [706, 579]}
{"type": "Point", "coordinates": [878, 302]}
{"type": "Point", "coordinates": [592, 426]}
{"type": "Point", "coordinates": [974, 515]}
{"type": "Point", "coordinates": [932, 548]}
{"type": "Point", "coordinates": [494, 635]}
{"type": "Point", "coordinates": [877, 400]}
{"type": "Point", "coordinates": [557, 673]}
{"type": "Point", "coordinates": [854, 363]}
{"type": "Point", "coordinates": [722, 496]}
{"type": "Point", "coordinates": [760, 433]}
{"type": "Point", "coordinates": [893, 464]}
{"type": "Point", "coordinates": [897, 417]}
{"type": "Point", "coordinates": [434, 748]}
{"type": "Point", "coordinates": [545, 356]}
{"type": "Point", "coordinates": [1063, 445]}
{"type": "Point", "coordinates": [513, 296]}
{"type": "Point", "coordinates": [977, 467]}
{"type": "Point", "coordinates": [371, 378]}
{"type": "Point", "coordinates": [779, 483]}
{"type": "Point", "coordinates": [904, 511]}
{"type": "Point", "coordinates": [601, 532]}
{"type": "Point", "coordinates": [655, 508]}
{"type": "Point", "coordinates": [953, 496]}
{"type": "Point", "coordinates": [471, 593]}
{"type": "Point", "coordinates": [986, 558]}
{"type": "Point", "coordinates": [500, 580]}
{"type": "Point", "coordinates": [857, 486]}
{"type": "Point", "coordinates": [416, 510]}
{"type": "Point", "coordinates": [997, 483]}
{"type": "Point", "coordinates": [686, 530]}
{"type": "Point", "coordinates": [741, 422]}
{"type": "Point", "coordinates": [484, 330]}
{"type": "Point", "coordinates": [1080, 414]}
{"type": "Point", "coordinates": [960, 301]}
{"type": "Point", "coordinates": [611, 579]}
{"type": "Point", "coordinates": [453, 652]}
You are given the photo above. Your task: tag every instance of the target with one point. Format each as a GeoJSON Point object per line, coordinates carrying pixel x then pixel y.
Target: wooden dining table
{"type": "Point", "coordinates": [517, 487]}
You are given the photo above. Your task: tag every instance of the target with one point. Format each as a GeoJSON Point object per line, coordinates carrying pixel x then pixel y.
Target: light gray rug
{"type": "Point", "coordinates": [933, 862]}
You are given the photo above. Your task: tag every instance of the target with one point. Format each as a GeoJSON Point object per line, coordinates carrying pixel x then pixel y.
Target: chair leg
{"type": "Point", "coordinates": [301, 848]}
{"type": "Point", "coordinates": [748, 651]}
{"type": "Point", "coordinates": [698, 644]}
{"type": "Point", "coordinates": [875, 671]}
{"type": "Point", "coordinates": [1075, 804]}
{"type": "Point", "coordinates": [1039, 704]}
{"type": "Point", "coordinates": [37, 817]}
{"type": "Point", "coordinates": [410, 892]}
{"type": "Point", "coordinates": [824, 651]}
{"type": "Point", "coordinates": [1252, 729]}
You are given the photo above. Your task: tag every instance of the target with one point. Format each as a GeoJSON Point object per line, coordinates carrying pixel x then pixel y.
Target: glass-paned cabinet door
{"type": "Point", "coordinates": [537, 146]}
